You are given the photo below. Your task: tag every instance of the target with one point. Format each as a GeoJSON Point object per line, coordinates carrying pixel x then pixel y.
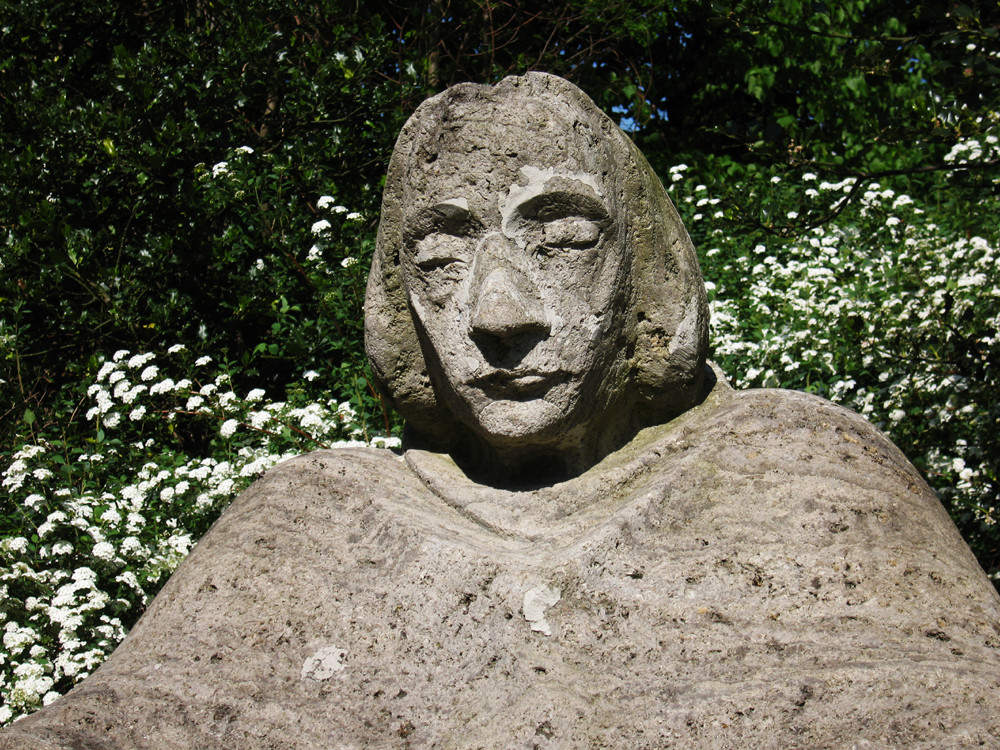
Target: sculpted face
{"type": "Point", "coordinates": [513, 269]}
{"type": "Point", "coordinates": [534, 299]}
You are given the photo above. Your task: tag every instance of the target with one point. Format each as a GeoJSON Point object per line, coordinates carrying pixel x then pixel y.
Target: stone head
{"type": "Point", "coordinates": [534, 299]}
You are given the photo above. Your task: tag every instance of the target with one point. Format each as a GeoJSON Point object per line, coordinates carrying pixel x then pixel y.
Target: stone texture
{"type": "Point", "coordinates": [751, 569]}
{"type": "Point", "coordinates": [534, 298]}
{"type": "Point", "coordinates": [765, 571]}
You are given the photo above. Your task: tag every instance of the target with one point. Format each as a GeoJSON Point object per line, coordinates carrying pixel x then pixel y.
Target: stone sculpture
{"type": "Point", "coordinates": [592, 541]}
{"type": "Point", "coordinates": [527, 248]}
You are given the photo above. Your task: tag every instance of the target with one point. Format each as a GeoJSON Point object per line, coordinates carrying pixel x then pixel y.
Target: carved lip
{"type": "Point", "coordinates": [519, 384]}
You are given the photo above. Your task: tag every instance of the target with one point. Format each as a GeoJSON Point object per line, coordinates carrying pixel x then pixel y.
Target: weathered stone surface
{"type": "Point", "coordinates": [534, 298]}
{"type": "Point", "coordinates": [764, 571]}
{"type": "Point", "coordinates": [756, 569]}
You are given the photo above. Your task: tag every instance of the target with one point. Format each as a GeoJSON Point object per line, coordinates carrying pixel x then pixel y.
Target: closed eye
{"type": "Point", "coordinates": [561, 204]}
{"type": "Point", "coordinates": [440, 250]}
{"type": "Point", "coordinates": [571, 232]}
{"type": "Point", "coordinates": [562, 220]}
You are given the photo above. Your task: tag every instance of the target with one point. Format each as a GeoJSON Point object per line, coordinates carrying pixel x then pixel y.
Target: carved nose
{"type": "Point", "coordinates": [502, 311]}
{"type": "Point", "coordinates": [507, 303]}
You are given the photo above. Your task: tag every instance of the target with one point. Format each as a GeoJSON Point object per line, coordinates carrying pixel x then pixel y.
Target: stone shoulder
{"type": "Point", "coordinates": [314, 499]}
{"type": "Point", "coordinates": [792, 423]}
{"type": "Point", "coordinates": [803, 407]}
{"type": "Point", "coordinates": [342, 461]}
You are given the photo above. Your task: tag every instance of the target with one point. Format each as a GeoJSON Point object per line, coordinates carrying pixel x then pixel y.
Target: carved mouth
{"type": "Point", "coordinates": [517, 385]}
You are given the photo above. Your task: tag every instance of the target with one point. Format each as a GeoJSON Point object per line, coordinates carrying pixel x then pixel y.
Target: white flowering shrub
{"type": "Point", "coordinates": [92, 529]}
{"type": "Point", "coordinates": [111, 240]}
{"type": "Point", "coordinates": [883, 310]}
{"type": "Point", "coordinates": [109, 483]}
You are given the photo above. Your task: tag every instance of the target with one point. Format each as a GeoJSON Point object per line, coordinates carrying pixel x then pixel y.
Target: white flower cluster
{"type": "Point", "coordinates": [223, 169]}
{"type": "Point", "coordinates": [972, 150]}
{"type": "Point", "coordinates": [879, 296]}
{"type": "Point", "coordinates": [321, 230]}
{"type": "Point", "coordinates": [59, 638]}
{"type": "Point", "coordinates": [104, 543]}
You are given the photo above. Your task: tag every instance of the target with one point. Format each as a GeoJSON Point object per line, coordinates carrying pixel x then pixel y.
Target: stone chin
{"type": "Point", "coordinates": [528, 422]}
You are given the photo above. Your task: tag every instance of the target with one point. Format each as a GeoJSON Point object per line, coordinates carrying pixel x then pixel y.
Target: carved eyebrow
{"type": "Point", "coordinates": [565, 202]}
{"type": "Point", "coordinates": [451, 216]}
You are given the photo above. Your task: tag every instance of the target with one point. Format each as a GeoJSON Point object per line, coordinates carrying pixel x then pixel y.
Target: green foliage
{"type": "Point", "coordinates": [210, 174]}
{"type": "Point", "coordinates": [92, 527]}
{"type": "Point", "coordinates": [117, 235]}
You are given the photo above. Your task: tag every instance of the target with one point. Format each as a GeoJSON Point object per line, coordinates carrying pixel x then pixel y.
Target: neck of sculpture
{"type": "Point", "coordinates": [520, 468]}
{"type": "Point", "coordinates": [525, 465]}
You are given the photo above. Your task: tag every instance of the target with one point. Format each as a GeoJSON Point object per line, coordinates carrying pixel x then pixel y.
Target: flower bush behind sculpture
{"type": "Point", "coordinates": [103, 523]}
{"type": "Point", "coordinates": [884, 310]}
